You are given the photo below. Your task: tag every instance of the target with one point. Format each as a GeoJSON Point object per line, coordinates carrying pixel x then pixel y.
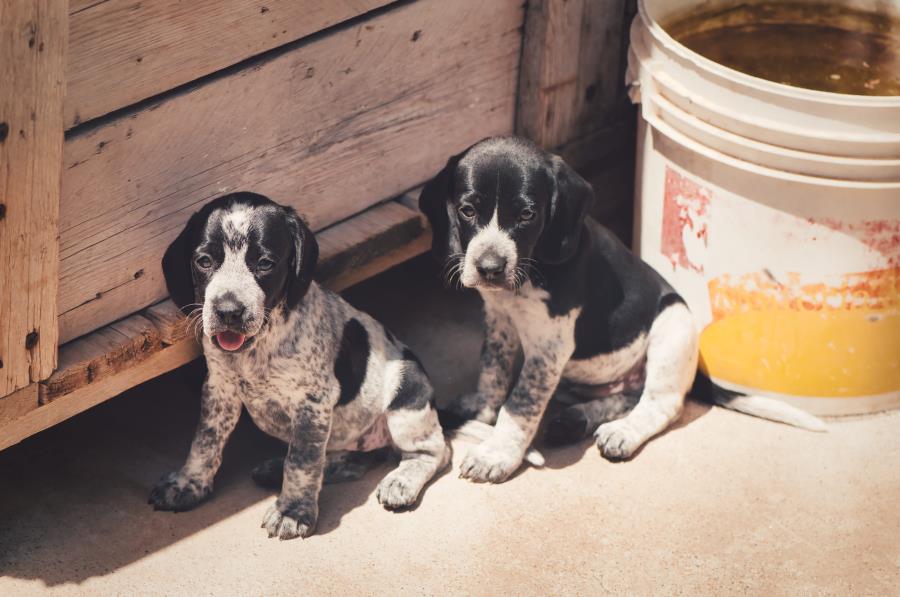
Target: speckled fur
{"type": "Point", "coordinates": [285, 378]}
{"type": "Point", "coordinates": [547, 343]}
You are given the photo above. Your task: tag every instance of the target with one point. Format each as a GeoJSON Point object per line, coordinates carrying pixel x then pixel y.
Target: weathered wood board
{"type": "Point", "coordinates": [366, 236]}
{"type": "Point", "coordinates": [171, 324]}
{"type": "Point", "coordinates": [17, 404]}
{"type": "Point", "coordinates": [572, 74]}
{"type": "Point", "coordinates": [124, 51]}
{"type": "Point", "coordinates": [101, 354]}
{"type": "Point", "coordinates": [32, 67]}
{"type": "Point", "coordinates": [329, 126]}
{"type": "Point", "coordinates": [88, 396]}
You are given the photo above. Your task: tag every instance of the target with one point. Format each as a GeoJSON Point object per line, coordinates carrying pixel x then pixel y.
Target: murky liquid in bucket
{"type": "Point", "coordinates": [826, 47]}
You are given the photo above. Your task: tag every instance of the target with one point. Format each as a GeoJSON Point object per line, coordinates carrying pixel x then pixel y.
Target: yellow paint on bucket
{"type": "Point", "coordinates": [831, 340]}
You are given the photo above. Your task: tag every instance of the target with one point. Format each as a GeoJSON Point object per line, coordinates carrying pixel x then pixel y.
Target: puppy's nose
{"type": "Point", "coordinates": [490, 266]}
{"type": "Point", "coordinates": [229, 311]}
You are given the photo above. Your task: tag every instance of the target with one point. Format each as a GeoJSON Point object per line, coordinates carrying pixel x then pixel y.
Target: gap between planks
{"type": "Point", "coordinates": [128, 352]}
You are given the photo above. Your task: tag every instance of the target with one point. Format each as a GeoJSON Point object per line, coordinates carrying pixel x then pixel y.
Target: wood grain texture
{"type": "Point", "coordinates": [112, 359]}
{"type": "Point", "coordinates": [17, 404]}
{"type": "Point", "coordinates": [123, 51]}
{"type": "Point", "coordinates": [365, 237]}
{"type": "Point", "coordinates": [393, 236]}
{"type": "Point", "coordinates": [381, 261]}
{"type": "Point", "coordinates": [101, 354]}
{"type": "Point", "coordinates": [33, 37]}
{"type": "Point", "coordinates": [169, 321]}
{"type": "Point", "coordinates": [329, 127]}
{"type": "Point", "coordinates": [84, 398]}
{"type": "Point", "coordinates": [571, 76]}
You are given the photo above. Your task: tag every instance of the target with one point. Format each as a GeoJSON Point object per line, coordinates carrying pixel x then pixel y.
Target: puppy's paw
{"type": "Point", "coordinates": [618, 439]}
{"type": "Point", "coordinates": [490, 463]}
{"type": "Point", "coordinates": [289, 522]}
{"type": "Point", "coordinates": [397, 491]}
{"type": "Point", "coordinates": [177, 493]}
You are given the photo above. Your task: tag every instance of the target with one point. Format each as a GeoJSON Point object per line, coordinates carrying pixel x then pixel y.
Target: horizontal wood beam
{"type": "Point", "coordinates": [123, 51]}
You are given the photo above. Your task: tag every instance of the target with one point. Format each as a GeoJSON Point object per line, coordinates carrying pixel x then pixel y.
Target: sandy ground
{"type": "Point", "coordinates": [720, 504]}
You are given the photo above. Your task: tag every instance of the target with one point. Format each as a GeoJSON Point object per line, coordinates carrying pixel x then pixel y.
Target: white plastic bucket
{"type": "Point", "coordinates": [775, 212]}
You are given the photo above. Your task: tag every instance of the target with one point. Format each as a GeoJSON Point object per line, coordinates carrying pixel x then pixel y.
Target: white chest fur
{"type": "Point", "coordinates": [537, 328]}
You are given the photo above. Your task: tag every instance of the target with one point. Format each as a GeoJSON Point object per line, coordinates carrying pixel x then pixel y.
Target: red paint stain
{"type": "Point", "coordinates": [685, 217]}
{"type": "Point", "coordinates": [880, 235]}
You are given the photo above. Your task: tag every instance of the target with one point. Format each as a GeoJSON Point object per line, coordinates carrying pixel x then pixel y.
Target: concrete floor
{"type": "Point", "coordinates": [720, 504]}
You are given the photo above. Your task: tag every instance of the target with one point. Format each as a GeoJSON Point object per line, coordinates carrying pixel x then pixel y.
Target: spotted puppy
{"type": "Point", "coordinates": [509, 220]}
{"type": "Point", "coordinates": [311, 370]}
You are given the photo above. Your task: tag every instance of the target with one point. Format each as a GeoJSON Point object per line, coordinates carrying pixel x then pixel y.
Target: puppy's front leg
{"type": "Point", "coordinates": [295, 512]}
{"type": "Point", "coordinates": [181, 490]}
{"type": "Point", "coordinates": [495, 459]}
{"type": "Point", "coordinates": [498, 354]}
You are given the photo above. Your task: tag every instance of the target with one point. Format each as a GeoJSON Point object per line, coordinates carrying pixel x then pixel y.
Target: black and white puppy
{"type": "Point", "coordinates": [509, 219]}
{"type": "Point", "coordinates": [311, 370]}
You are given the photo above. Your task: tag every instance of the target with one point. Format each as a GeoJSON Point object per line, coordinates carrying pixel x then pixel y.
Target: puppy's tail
{"type": "Point", "coordinates": [757, 406]}
{"type": "Point", "coordinates": [477, 431]}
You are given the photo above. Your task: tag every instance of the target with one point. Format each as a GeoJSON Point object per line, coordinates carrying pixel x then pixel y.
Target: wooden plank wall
{"type": "Point", "coordinates": [124, 51]}
{"type": "Point", "coordinates": [33, 37]}
{"type": "Point", "coordinates": [571, 85]}
{"type": "Point", "coordinates": [328, 126]}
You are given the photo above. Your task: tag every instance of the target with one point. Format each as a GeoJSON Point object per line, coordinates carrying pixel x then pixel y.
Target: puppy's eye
{"type": "Point", "coordinates": [265, 264]}
{"type": "Point", "coordinates": [467, 211]}
{"type": "Point", "coordinates": [204, 262]}
{"type": "Point", "coordinates": [526, 214]}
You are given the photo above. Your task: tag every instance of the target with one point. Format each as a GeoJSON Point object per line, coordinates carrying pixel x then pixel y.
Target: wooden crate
{"type": "Point", "coordinates": [118, 119]}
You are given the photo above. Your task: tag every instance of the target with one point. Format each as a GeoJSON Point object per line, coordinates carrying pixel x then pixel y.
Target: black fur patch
{"type": "Point", "coordinates": [670, 299]}
{"type": "Point", "coordinates": [352, 360]}
{"type": "Point", "coordinates": [409, 355]}
{"type": "Point", "coordinates": [415, 390]}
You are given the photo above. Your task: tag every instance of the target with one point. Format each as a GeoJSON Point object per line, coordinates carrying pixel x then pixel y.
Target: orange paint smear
{"type": "Point", "coordinates": [876, 290]}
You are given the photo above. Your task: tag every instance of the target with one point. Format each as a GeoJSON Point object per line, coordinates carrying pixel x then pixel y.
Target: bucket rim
{"type": "Point", "coordinates": [712, 153]}
{"type": "Point", "coordinates": [670, 44]}
{"type": "Point", "coordinates": [667, 107]}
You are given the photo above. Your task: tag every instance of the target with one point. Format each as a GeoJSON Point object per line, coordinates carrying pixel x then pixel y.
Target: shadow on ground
{"type": "Point", "coordinates": [76, 495]}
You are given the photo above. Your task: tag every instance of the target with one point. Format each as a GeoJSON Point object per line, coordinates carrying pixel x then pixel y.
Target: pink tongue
{"type": "Point", "coordinates": [230, 340]}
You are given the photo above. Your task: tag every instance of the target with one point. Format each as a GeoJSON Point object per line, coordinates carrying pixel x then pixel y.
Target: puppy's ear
{"type": "Point", "coordinates": [569, 205]}
{"type": "Point", "coordinates": [304, 260]}
{"type": "Point", "coordinates": [176, 264]}
{"type": "Point", "coordinates": [434, 202]}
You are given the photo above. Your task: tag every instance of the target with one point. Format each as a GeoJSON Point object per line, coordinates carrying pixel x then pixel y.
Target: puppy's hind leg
{"type": "Point", "coordinates": [672, 355]}
{"type": "Point", "coordinates": [269, 474]}
{"type": "Point", "coordinates": [341, 466]}
{"type": "Point", "coordinates": [579, 421]}
{"type": "Point", "coordinates": [413, 424]}
{"type": "Point", "coordinates": [349, 466]}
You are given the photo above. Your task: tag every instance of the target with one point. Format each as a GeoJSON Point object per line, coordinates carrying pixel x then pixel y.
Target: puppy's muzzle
{"type": "Point", "coordinates": [491, 267]}
{"type": "Point", "coordinates": [230, 312]}
{"type": "Point", "coordinates": [230, 322]}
